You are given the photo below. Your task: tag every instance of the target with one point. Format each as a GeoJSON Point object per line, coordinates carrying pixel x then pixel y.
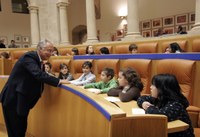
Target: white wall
{"type": "Point", "coordinates": [76, 14]}
{"type": "Point", "coordinates": [149, 9]}
{"type": "Point", "coordinates": [110, 20]}
{"type": "Point", "coordinates": [13, 23]}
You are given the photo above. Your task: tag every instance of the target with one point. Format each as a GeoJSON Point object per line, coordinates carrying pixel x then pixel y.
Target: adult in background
{"type": "Point", "coordinates": [180, 30]}
{"type": "Point", "coordinates": [24, 87]}
{"type": "Point", "coordinates": [160, 32]}
{"type": "Point", "coordinates": [2, 45]}
{"type": "Point", "coordinates": [12, 45]}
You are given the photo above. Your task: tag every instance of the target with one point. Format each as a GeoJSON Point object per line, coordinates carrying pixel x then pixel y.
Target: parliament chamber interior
{"type": "Point", "coordinates": [72, 111]}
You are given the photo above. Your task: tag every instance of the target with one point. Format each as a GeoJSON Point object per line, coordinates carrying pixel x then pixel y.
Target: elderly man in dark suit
{"type": "Point", "coordinates": [24, 88]}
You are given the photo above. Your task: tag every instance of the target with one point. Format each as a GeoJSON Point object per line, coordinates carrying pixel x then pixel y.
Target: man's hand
{"type": "Point", "coordinates": [64, 81]}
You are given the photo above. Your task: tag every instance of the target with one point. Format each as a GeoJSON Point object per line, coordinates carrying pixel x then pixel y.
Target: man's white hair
{"type": "Point", "coordinates": [41, 44]}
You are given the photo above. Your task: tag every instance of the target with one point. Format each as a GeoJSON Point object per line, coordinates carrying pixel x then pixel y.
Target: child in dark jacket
{"type": "Point", "coordinates": [167, 99]}
{"type": "Point", "coordinates": [130, 86]}
{"type": "Point", "coordinates": [64, 72]}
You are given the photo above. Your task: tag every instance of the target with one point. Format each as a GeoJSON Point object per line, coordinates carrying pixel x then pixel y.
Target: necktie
{"type": "Point", "coordinates": [42, 66]}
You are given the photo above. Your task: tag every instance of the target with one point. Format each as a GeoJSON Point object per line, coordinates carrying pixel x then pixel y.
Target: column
{"type": "Point", "coordinates": [35, 32]}
{"type": "Point", "coordinates": [132, 20]}
{"type": "Point", "coordinates": [63, 20]}
{"type": "Point", "coordinates": [91, 22]}
{"type": "Point", "coordinates": [196, 28]}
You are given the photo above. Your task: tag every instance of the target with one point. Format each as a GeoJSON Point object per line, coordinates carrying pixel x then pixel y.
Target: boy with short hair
{"type": "Point", "coordinates": [107, 82]}
{"type": "Point", "coordinates": [133, 49]}
{"type": "Point", "coordinates": [87, 76]}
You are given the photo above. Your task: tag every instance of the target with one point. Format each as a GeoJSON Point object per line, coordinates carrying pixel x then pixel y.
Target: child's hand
{"type": "Point", "coordinates": [146, 104]}
{"type": "Point", "coordinates": [94, 90]}
{"type": "Point", "coordinates": [98, 91]}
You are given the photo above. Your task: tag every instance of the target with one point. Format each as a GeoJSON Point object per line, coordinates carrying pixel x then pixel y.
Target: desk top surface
{"type": "Point", "coordinates": [122, 109]}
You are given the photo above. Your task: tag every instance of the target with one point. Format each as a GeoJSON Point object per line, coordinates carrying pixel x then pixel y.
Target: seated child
{"type": "Point", "coordinates": [107, 82]}
{"type": "Point", "coordinates": [64, 72]}
{"type": "Point", "coordinates": [4, 55]}
{"type": "Point", "coordinates": [167, 99]}
{"type": "Point", "coordinates": [130, 86]}
{"type": "Point", "coordinates": [75, 51]}
{"type": "Point", "coordinates": [55, 52]}
{"type": "Point", "coordinates": [167, 50]}
{"type": "Point", "coordinates": [89, 50]}
{"type": "Point", "coordinates": [47, 68]}
{"type": "Point", "coordinates": [175, 48]}
{"type": "Point", "coordinates": [133, 49]}
{"type": "Point", "coordinates": [86, 77]}
{"type": "Point", "coordinates": [104, 50]}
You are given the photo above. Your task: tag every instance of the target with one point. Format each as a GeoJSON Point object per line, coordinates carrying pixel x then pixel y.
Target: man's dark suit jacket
{"type": "Point", "coordinates": [25, 84]}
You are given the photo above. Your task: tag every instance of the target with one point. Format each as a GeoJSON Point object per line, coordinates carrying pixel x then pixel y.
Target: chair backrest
{"type": "Point", "coordinates": [82, 50]}
{"type": "Point", "coordinates": [15, 55]}
{"type": "Point", "coordinates": [64, 51]}
{"type": "Point", "coordinates": [1, 66]}
{"type": "Point", "coordinates": [77, 67]}
{"type": "Point", "coordinates": [182, 44]}
{"type": "Point", "coordinates": [140, 126]}
{"type": "Point", "coordinates": [108, 63]}
{"type": "Point", "coordinates": [121, 49]}
{"type": "Point", "coordinates": [143, 67]}
{"type": "Point", "coordinates": [183, 70]}
{"type": "Point", "coordinates": [194, 113]}
{"type": "Point", "coordinates": [196, 45]}
{"type": "Point", "coordinates": [148, 47]}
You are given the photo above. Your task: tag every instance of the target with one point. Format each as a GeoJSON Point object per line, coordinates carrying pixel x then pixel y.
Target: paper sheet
{"type": "Point", "coordinates": [138, 111]}
{"type": "Point", "coordinates": [112, 99]}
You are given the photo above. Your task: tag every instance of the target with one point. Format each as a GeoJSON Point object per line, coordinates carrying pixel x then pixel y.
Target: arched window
{"type": "Point", "coordinates": [20, 6]}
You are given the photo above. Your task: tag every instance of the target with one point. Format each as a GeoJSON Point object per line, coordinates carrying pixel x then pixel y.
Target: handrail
{"type": "Point", "coordinates": [156, 56]}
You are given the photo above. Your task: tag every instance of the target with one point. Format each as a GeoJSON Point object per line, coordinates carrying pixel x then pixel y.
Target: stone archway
{"type": "Point", "coordinates": [79, 34]}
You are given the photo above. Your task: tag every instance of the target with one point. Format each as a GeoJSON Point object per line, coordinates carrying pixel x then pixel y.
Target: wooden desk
{"type": "Point", "coordinates": [177, 126]}
{"type": "Point", "coordinates": [3, 80]}
{"type": "Point", "coordinates": [71, 111]}
{"type": "Point", "coordinates": [5, 66]}
{"type": "Point", "coordinates": [174, 126]}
